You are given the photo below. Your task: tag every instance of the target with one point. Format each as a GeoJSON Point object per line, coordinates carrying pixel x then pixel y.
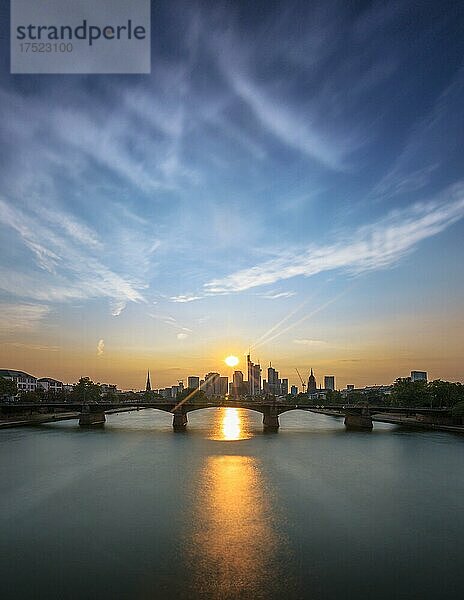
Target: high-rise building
{"type": "Point", "coordinates": [273, 381]}
{"type": "Point", "coordinates": [249, 373]}
{"type": "Point", "coordinates": [239, 387]}
{"type": "Point", "coordinates": [175, 390]}
{"type": "Point", "coordinates": [254, 377]}
{"type": "Point", "coordinates": [419, 376]}
{"type": "Point", "coordinates": [329, 382]}
{"type": "Point", "coordinates": [193, 383]}
{"type": "Point", "coordinates": [294, 390]}
{"type": "Point", "coordinates": [284, 387]}
{"type": "Point", "coordinates": [148, 384]}
{"type": "Point", "coordinates": [256, 372]}
{"type": "Point", "coordinates": [223, 386]}
{"type": "Point", "coordinates": [312, 385]}
{"type": "Point", "coordinates": [211, 385]}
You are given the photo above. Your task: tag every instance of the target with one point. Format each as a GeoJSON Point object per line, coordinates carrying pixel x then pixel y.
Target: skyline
{"type": "Point", "coordinates": [297, 379]}
{"type": "Point", "coordinates": [289, 186]}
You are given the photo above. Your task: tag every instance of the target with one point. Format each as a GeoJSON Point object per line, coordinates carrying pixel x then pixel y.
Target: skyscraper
{"type": "Point", "coordinates": [211, 385]}
{"type": "Point", "coordinates": [223, 386]}
{"type": "Point", "coordinates": [148, 384]}
{"type": "Point", "coordinates": [254, 377]}
{"type": "Point", "coordinates": [238, 386]}
{"type": "Point", "coordinates": [329, 382]}
{"type": "Point", "coordinates": [249, 369]}
{"type": "Point", "coordinates": [273, 381]}
{"type": "Point", "coordinates": [284, 387]}
{"type": "Point", "coordinates": [193, 383]}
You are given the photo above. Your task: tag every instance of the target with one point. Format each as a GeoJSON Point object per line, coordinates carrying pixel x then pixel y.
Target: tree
{"type": "Point", "coordinates": [446, 393]}
{"type": "Point", "coordinates": [458, 409]}
{"type": "Point", "coordinates": [356, 397]}
{"type": "Point", "coordinates": [410, 393]}
{"type": "Point", "coordinates": [32, 396]}
{"type": "Point", "coordinates": [111, 397]}
{"type": "Point", "coordinates": [150, 396]}
{"type": "Point", "coordinates": [86, 391]}
{"type": "Point", "coordinates": [8, 388]}
{"type": "Point", "coordinates": [375, 397]}
{"type": "Point", "coordinates": [333, 397]}
{"type": "Point", "coordinates": [302, 398]}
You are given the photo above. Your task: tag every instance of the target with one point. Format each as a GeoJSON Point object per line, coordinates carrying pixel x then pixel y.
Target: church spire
{"type": "Point", "coordinates": [148, 386]}
{"type": "Point", "coordinates": [312, 385]}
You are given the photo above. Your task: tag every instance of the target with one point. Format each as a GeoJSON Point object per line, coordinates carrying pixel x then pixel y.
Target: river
{"type": "Point", "coordinates": [224, 510]}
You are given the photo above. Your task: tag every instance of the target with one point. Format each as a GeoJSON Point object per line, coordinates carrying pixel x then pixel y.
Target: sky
{"type": "Point", "coordinates": [288, 180]}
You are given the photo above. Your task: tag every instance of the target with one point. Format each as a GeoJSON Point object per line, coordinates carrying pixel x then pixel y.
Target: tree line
{"type": "Point", "coordinates": [404, 392]}
{"type": "Point", "coordinates": [407, 393]}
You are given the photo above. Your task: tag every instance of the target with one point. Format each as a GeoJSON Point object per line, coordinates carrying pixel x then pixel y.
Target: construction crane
{"type": "Point", "coordinates": [302, 382]}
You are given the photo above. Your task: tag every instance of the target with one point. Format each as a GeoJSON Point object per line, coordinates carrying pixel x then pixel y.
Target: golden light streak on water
{"type": "Point", "coordinates": [234, 543]}
{"type": "Point", "coordinates": [231, 425]}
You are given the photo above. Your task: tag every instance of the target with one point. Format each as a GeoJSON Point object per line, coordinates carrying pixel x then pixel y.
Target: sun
{"type": "Point", "coordinates": [231, 361]}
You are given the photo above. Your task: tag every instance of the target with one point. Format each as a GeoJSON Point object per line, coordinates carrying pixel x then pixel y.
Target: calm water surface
{"type": "Point", "coordinates": [224, 511]}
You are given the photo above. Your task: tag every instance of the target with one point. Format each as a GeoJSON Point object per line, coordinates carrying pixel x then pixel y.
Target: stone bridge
{"type": "Point", "coordinates": [355, 416]}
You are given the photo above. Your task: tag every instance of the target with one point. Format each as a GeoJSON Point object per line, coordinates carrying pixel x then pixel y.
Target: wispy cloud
{"type": "Point", "coordinates": [431, 142]}
{"type": "Point", "coordinates": [308, 342]}
{"type": "Point", "coordinates": [185, 298]}
{"type": "Point", "coordinates": [290, 127]}
{"type": "Point", "coordinates": [71, 259]}
{"type": "Point", "coordinates": [21, 317]}
{"type": "Point", "coordinates": [100, 347]}
{"type": "Point", "coordinates": [172, 322]}
{"type": "Point", "coordinates": [277, 114]}
{"type": "Point", "coordinates": [370, 247]}
{"type": "Point", "coordinates": [277, 295]}
{"type": "Point", "coordinates": [38, 347]}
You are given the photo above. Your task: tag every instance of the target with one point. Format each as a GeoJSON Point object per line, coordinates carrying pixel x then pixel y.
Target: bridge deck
{"type": "Point", "coordinates": [410, 416]}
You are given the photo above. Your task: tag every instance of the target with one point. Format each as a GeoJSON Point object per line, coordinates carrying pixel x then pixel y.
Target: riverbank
{"type": "Point", "coordinates": [401, 421]}
{"type": "Point", "coordinates": [37, 419]}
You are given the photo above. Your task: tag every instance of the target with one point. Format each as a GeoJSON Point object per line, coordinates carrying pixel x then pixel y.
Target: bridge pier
{"type": "Point", "coordinates": [358, 421]}
{"type": "Point", "coordinates": [92, 419]}
{"type": "Point", "coordinates": [270, 420]}
{"type": "Point", "coordinates": [179, 421]}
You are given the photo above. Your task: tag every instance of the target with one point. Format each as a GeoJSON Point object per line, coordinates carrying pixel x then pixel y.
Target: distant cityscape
{"type": "Point", "coordinates": [215, 385]}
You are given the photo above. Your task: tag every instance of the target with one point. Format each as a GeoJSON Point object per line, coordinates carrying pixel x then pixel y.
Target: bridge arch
{"type": "Point", "coordinates": [191, 408]}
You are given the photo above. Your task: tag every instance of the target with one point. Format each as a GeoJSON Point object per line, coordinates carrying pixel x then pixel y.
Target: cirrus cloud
{"type": "Point", "coordinates": [371, 247]}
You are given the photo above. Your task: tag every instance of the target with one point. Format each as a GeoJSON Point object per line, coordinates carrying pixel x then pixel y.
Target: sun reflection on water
{"type": "Point", "coordinates": [234, 543]}
{"type": "Point", "coordinates": [231, 425]}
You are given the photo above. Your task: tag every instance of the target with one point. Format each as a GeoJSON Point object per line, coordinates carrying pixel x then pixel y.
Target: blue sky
{"type": "Point", "coordinates": [296, 161]}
